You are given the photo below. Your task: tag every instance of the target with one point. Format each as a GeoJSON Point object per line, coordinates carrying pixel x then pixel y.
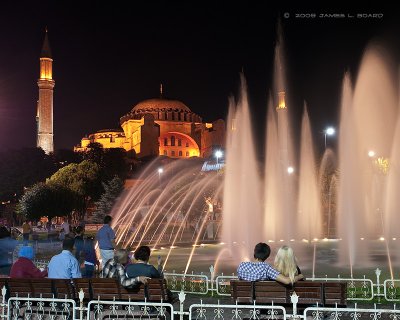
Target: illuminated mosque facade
{"type": "Point", "coordinates": [153, 127]}
{"type": "Point", "coordinates": [161, 126]}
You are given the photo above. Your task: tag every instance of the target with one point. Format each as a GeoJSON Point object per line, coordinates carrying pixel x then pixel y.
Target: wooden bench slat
{"type": "Point", "coordinates": [105, 288]}
{"type": "Point", "coordinates": [63, 289]}
{"type": "Point", "coordinates": [308, 292]}
{"type": "Point", "coordinates": [20, 287]}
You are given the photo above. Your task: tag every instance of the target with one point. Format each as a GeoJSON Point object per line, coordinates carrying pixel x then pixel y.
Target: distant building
{"type": "Point", "coordinates": [44, 115]}
{"type": "Point", "coordinates": [162, 127]}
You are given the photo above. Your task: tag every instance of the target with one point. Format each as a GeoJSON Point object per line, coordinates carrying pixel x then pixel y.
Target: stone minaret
{"type": "Point", "coordinates": [44, 115]}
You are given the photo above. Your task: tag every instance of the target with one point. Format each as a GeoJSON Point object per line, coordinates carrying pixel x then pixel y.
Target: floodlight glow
{"type": "Point", "coordinates": [371, 153]}
{"type": "Point", "coordinates": [330, 131]}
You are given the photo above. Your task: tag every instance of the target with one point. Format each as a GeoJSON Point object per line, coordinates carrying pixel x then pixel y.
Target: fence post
{"type": "Point", "coordinates": [294, 298]}
{"type": "Point", "coordinates": [81, 296]}
{"type": "Point", "coordinates": [181, 297]}
{"type": "Point", "coordinates": [378, 285]}
{"type": "Point", "coordinates": [212, 279]}
{"type": "Point", "coordinates": [3, 302]}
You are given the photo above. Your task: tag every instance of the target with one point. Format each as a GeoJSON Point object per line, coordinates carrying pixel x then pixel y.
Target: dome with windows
{"type": "Point", "coordinates": [162, 109]}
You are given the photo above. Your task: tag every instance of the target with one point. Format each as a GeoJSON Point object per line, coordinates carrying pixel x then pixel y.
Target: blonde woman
{"type": "Point", "coordinates": [285, 262]}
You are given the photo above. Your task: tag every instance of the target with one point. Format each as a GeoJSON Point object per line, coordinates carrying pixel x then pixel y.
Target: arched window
{"type": "Point", "coordinates": [180, 153]}
{"type": "Point", "coordinates": [172, 140]}
{"type": "Point", "coordinates": [165, 141]}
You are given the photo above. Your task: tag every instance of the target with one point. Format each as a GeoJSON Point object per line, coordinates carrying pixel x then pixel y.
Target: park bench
{"type": "Point", "coordinates": [309, 293]}
{"type": "Point", "coordinates": [94, 289]}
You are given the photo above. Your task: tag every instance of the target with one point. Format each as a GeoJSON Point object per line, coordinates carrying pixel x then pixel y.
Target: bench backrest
{"type": "Point", "coordinates": [20, 287]}
{"type": "Point", "coordinates": [308, 292]}
{"type": "Point", "coordinates": [242, 291]}
{"type": "Point", "coordinates": [94, 288]}
{"type": "Point", "coordinates": [105, 288]}
{"type": "Point", "coordinates": [157, 290]}
{"type": "Point", "coordinates": [63, 289]}
{"type": "Point", "coordinates": [335, 292]}
{"type": "Point", "coordinates": [42, 287]}
{"type": "Point", "coordinates": [84, 285]}
{"type": "Point", "coordinates": [270, 291]}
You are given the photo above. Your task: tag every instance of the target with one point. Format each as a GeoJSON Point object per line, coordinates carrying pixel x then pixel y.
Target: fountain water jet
{"type": "Point", "coordinates": [360, 193]}
{"type": "Point", "coordinates": [242, 209]}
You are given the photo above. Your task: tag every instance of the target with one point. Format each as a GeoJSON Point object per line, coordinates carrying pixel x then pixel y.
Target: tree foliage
{"type": "Point", "coordinates": [112, 189]}
{"type": "Point", "coordinates": [46, 200]}
{"type": "Point", "coordinates": [112, 162]}
{"type": "Point", "coordinates": [81, 178]}
{"type": "Point", "coordinates": [22, 168]}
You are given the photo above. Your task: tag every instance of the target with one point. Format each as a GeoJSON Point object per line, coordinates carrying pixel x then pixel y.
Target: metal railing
{"type": "Point", "coordinates": [51, 309]}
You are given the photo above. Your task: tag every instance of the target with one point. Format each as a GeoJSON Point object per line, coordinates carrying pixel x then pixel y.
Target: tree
{"type": "Point", "coordinates": [22, 168]}
{"type": "Point", "coordinates": [63, 157]}
{"type": "Point", "coordinates": [112, 161]}
{"type": "Point", "coordinates": [112, 189]}
{"type": "Point", "coordinates": [46, 200]}
{"type": "Point", "coordinates": [83, 179]}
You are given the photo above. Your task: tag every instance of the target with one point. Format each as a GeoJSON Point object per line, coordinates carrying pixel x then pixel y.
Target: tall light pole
{"type": "Point", "coordinates": [160, 171]}
{"type": "Point", "coordinates": [330, 131]}
{"type": "Point", "coordinates": [218, 154]}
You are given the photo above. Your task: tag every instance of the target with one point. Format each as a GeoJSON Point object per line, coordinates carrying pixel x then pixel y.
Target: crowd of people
{"type": "Point", "coordinates": [78, 259]}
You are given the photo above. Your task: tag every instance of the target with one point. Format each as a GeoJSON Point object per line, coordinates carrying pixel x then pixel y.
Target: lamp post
{"type": "Point", "coordinates": [218, 154]}
{"type": "Point", "coordinates": [329, 132]}
{"type": "Point", "coordinates": [160, 171]}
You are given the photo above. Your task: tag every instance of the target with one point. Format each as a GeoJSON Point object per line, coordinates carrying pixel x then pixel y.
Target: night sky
{"type": "Point", "coordinates": [109, 57]}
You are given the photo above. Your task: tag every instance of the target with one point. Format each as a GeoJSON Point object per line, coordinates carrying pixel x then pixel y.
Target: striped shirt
{"type": "Point", "coordinates": [113, 269]}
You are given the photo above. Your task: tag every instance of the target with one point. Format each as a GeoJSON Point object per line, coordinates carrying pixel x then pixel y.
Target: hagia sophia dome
{"type": "Point", "coordinates": [161, 126]}
{"type": "Point", "coordinates": [163, 109]}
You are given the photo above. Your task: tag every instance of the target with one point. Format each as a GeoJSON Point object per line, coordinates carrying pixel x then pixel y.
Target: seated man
{"type": "Point", "coordinates": [142, 267]}
{"type": "Point", "coordinates": [23, 267]}
{"type": "Point", "coordinates": [261, 270]}
{"type": "Point", "coordinates": [114, 269]}
{"type": "Point", "coordinates": [64, 265]}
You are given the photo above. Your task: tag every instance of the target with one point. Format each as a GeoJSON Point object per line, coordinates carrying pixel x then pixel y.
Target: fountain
{"type": "Point", "coordinates": [341, 209]}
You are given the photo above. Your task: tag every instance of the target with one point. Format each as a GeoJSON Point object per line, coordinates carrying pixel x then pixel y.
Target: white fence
{"type": "Point", "coordinates": [358, 289]}
{"type": "Point", "coordinates": [68, 309]}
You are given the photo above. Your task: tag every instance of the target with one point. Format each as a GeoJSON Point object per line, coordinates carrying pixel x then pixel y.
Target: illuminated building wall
{"type": "Point", "coordinates": [163, 127]}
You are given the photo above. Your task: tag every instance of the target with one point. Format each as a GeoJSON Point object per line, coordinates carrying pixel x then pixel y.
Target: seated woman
{"type": "Point", "coordinates": [286, 263]}
{"type": "Point", "coordinates": [23, 267]}
{"type": "Point", "coordinates": [114, 268]}
{"type": "Point", "coordinates": [142, 267]}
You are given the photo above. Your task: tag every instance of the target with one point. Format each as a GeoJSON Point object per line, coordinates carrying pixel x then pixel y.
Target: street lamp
{"type": "Point", "coordinates": [330, 131]}
{"type": "Point", "coordinates": [218, 154]}
{"type": "Point", "coordinates": [371, 153]}
{"type": "Point", "coordinates": [290, 170]}
{"type": "Point", "coordinates": [160, 171]}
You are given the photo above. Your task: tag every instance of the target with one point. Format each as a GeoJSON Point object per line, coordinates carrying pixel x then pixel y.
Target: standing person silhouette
{"type": "Point", "coordinates": [106, 240]}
